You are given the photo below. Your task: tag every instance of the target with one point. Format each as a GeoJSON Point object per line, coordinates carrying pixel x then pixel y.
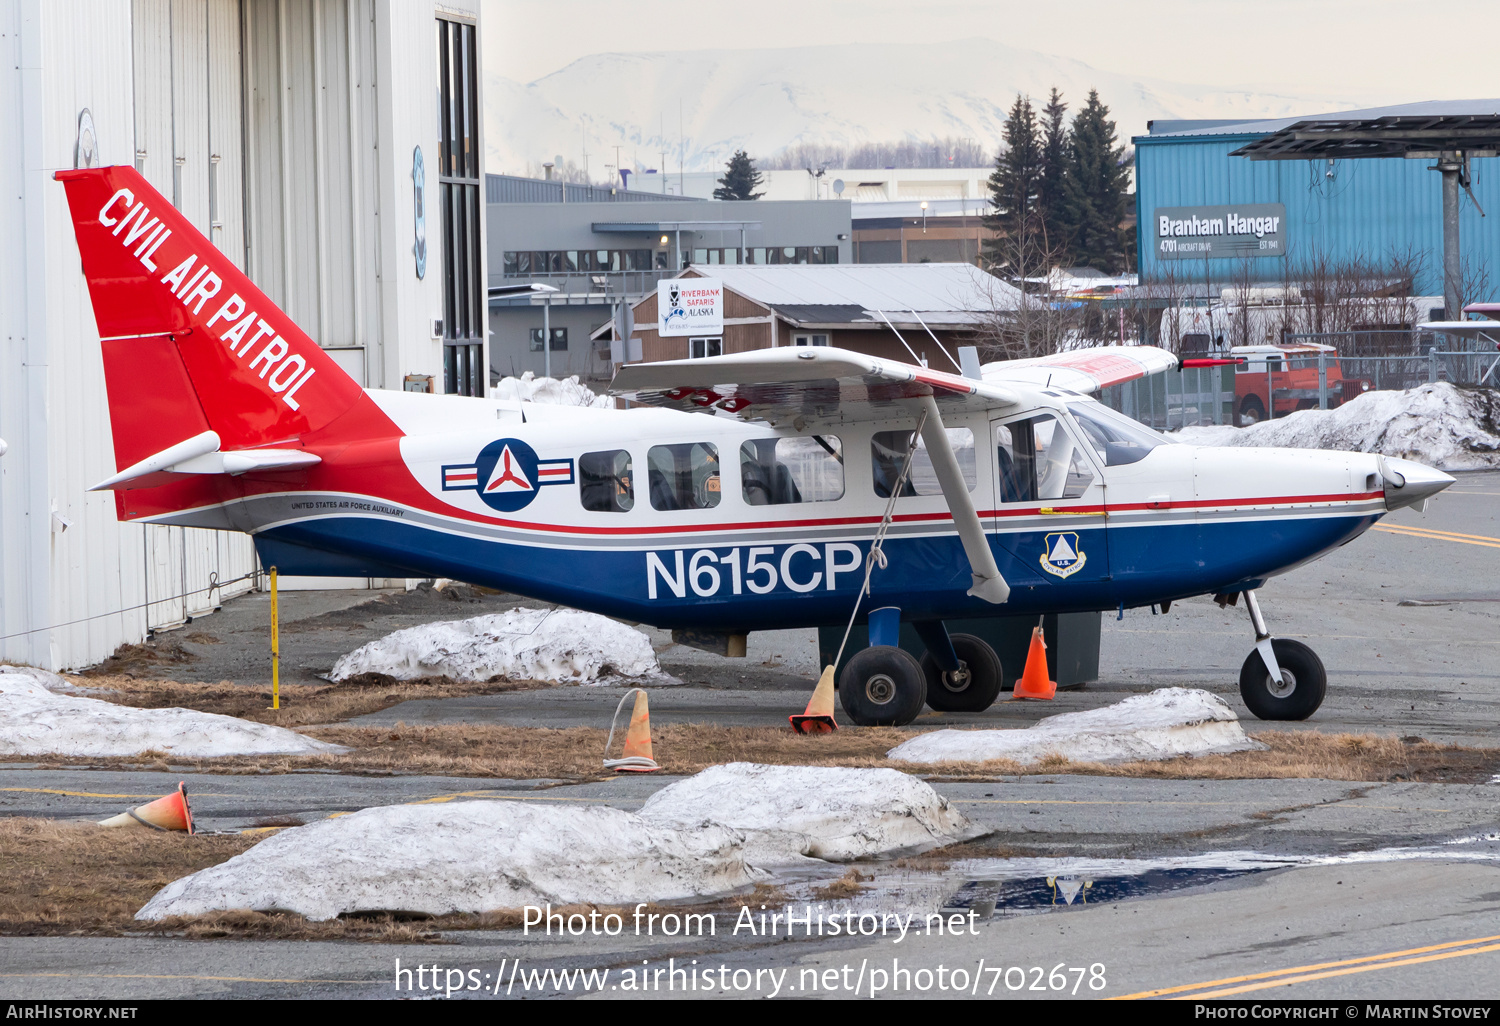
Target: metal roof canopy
{"type": "Point", "coordinates": [1451, 138]}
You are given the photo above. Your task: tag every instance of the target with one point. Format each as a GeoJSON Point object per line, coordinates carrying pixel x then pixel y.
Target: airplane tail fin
{"type": "Point", "coordinates": [190, 344]}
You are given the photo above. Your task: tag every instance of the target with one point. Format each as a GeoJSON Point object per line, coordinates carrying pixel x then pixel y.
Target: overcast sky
{"type": "Point", "coordinates": [1378, 51]}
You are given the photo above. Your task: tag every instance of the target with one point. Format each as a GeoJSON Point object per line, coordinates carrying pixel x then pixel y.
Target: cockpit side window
{"type": "Point", "coordinates": [778, 471]}
{"type": "Point", "coordinates": [684, 476]}
{"type": "Point", "coordinates": [888, 454]}
{"type": "Point", "coordinates": [1038, 460]}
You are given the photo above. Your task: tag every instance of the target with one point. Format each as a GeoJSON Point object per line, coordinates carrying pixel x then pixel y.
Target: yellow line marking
{"type": "Point", "coordinates": [146, 976]}
{"type": "Point", "coordinates": [1434, 536]}
{"type": "Point", "coordinates": [1302, 969]}
{"type": "Point", "coordinates": [1434, 530]}
{"type": "Point", "coordinates": [1336, 972]}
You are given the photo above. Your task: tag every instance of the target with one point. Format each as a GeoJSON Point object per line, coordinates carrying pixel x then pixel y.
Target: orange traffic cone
{"type": "Point", "coordinates": [169, 812]}
{"type": "Point", "coordinates": [637, 756]}
{"type": "Point", "coordinates": [1034, 682]}
{"type": "Point", "coordinates": [818, 718]}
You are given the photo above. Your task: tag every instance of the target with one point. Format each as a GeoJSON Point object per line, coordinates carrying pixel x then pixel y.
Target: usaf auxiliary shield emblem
{"type": "Point", "coordinates": [1062, 555]}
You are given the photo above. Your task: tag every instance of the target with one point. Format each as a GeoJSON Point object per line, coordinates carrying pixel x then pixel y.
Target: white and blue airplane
{"type": "Point", "coordinates": [740, 493]}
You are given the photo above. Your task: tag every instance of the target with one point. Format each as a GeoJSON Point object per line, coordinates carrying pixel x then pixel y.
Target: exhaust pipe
{"type": "Point", "coordinates": [1408, 483]}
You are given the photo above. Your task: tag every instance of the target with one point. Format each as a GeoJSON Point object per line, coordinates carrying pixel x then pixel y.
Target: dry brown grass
{"type": "Point", "coordinates": [301, 704]}
{"type": "Point", "coordinates": [850, 885]}
{"type": "Point", "coordinates": [576, 753]}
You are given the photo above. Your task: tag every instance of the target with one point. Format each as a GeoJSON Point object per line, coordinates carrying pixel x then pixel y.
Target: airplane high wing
{"type": "Point", "coordinates": [1083, 370]}
{"type": "Point", "coordinates": [810, 386]}
{"type": "Point", "coordinates": [814, 384]}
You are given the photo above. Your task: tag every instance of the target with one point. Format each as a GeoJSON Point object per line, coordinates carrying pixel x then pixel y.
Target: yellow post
{"type": "Point", "coordinates": [275, 646]}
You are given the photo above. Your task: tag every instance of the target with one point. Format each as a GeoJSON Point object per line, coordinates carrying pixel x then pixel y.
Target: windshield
{"type": "Point", "coordinates": [1118, 439]}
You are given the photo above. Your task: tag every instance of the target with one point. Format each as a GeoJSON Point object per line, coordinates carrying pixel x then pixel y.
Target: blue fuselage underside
{"type": "Point", "coordinates": [927, 576]}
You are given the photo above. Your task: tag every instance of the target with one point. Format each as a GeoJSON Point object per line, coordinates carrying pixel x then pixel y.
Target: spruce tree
{"type": "Point", "coordinates": [740, 179]}
{"type": "Point", "coordinates": [1054, 129]}
{"type": "Point", "coordinates": [1093, 202]}
{"type": "Point", "coordinates": [1014, 190]}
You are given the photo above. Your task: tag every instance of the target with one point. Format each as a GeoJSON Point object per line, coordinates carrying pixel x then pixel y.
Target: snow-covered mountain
{"type": "Point", "coordinates": [765, 99]}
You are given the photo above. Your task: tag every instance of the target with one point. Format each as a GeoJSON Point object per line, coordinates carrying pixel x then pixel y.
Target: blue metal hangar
{"type": "Point", "coordinates": [1226, 201]}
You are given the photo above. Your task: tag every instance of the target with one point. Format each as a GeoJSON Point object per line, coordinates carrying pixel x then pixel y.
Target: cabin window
{"type": "Point", "coordinates": [1038, 460]}
{"type": "Point", "coordinates": [778, 471]}
{"type": "Point", "coordinates": [684, 476]}
{"type": "Point", "coordinates": [1115, 437]}
{"type": "Point", "coordinates": [702, 348]}
{"type": "Point", "coordinates": [605, 483]}
{"type": "Point", "coordinates": [810, 340]}
{"type": "Point", "coordinates": [888, 453]}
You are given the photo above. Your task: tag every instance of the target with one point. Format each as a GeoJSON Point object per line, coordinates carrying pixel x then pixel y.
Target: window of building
{"type": "Point", "coordinates": [1039, 461]}
{"type": "Point", "coordinates": [888, 454]}
{"type": "Point", "coordinates": [605, 484]}
{"type": "Point", "coordinates": [684, 476]}
{"type": "Point", "coordinates": [810, 340]}
{"type": "Point", "coordinates": [559, 340]}
{"type": "Point", "coordinates": [699, 348]}
{"type": "Point", "coordinates": [461, 206]}
{"type": "Point", "coordinates": [777, 471]}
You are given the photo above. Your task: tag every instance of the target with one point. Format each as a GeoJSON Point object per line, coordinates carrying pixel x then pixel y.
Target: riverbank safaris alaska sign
{"type": "Point", "coordinates": [690, 306]}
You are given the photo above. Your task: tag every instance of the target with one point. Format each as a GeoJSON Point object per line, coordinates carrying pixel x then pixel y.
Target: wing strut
{"type": "Point", "coordinates": [988, 584]}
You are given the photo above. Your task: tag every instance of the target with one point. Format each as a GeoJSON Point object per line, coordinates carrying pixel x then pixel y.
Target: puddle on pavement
{"type": "Point", "coordinates": [1005, 897]}
{"type": "Point", "coordinates": [1005, 887]}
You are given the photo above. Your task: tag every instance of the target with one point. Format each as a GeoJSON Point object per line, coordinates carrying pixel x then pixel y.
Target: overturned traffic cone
{"type": "Point", "coordinates": [1034, 682]}
{"type": "Point", "coordinates": [636, 756]}
{"type": "Point", "coordinates": [169, 812]}
{"type": "Point", "coordinates": [818, 717]}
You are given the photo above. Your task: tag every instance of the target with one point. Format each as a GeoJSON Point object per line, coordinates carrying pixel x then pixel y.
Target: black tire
{"type": "Point", "coordinates": [1252, 410]}
{"type": "Point", "coordinates": [974, 688]}
{"type": "Point", "coordinates": [1300, 668]}
{"type": "Point", "coordinates": [882, 686]}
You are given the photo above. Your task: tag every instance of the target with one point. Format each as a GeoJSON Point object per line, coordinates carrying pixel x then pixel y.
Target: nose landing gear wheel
{"type": "Point", "coordinates": [882, 686]}
{"type": "Point", "coordinates": [973, 687]}
{"type": "Point", "coordinates": [1299, 692]}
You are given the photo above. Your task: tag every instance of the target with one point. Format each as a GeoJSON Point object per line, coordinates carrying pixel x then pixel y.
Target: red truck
{"type": "Point", "coordinates": [1274, 380]}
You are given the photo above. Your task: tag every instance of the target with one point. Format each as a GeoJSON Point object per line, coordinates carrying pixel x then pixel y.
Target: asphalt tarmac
{"type": "Point", "coordinates": [1405, 905]}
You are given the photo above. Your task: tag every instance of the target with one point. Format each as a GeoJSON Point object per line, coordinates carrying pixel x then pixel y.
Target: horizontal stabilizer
{"type": "Point", "coordinates": [200, 455]}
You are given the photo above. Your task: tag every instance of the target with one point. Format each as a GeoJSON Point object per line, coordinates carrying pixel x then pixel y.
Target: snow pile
{"type": "Point", "coordinates": [787, 812]}
{"type": "Point", "coordinates": [36, 721]}
{"type": "Point", "coordinates": [1442, 426]}
{"type": "Point", "coordinates": [1164, 724]}
{"type": "Point", "coordinates": [529, 388]}
{"type": "Point", "coordinates": [563, 645]}
{"type": "Point", "coordinates": [475, 856]}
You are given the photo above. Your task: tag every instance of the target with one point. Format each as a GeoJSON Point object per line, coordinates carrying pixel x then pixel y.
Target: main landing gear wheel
{"type": "Point", "coordinates": [1299, 692]}
{"type": "Point", "coordinates": [973, 687]}
{"type": "Point", "coordinates": [882, 686]}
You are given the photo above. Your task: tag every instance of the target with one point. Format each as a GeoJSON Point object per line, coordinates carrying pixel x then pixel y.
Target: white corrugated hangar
{"type": "Point", "coordinates": [301, 136]}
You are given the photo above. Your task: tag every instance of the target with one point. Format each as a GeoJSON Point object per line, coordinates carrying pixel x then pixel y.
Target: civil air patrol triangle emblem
{"type": "Point", "coordinates": [1062, 554]}
{"type": "Point", "coordinates": [507, 474]}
